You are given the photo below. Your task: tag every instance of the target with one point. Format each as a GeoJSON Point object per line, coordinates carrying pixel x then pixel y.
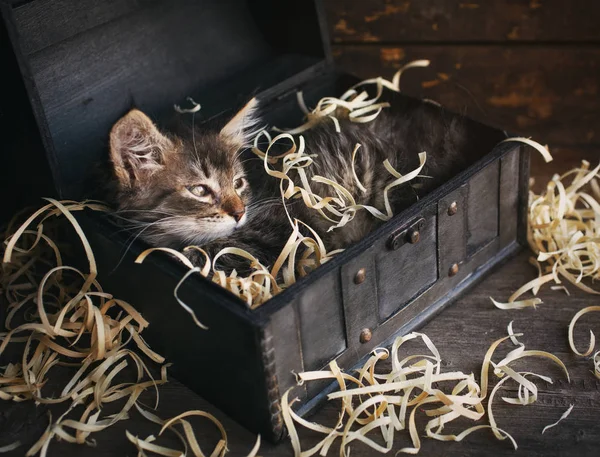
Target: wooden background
{"type": "Point", "coordinates": [528, 66]}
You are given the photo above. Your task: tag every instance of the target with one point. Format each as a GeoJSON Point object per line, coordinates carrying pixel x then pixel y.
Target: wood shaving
{"type": "Point", "coordinates": [194, 109]}
{"type": "Point", "coordinates": [564, 416]}
{"type": "Point", "coordinates": [592, 344]}
{"type": "Point", "coordinates": [382, 403]}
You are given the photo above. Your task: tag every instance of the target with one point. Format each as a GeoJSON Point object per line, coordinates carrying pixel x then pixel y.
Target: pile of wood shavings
{"type": "Point", "coordinates": [563, 231]}
{"type": "Point", "coordinates": [381, 403]}
{"type": "Point", "coordinates": [68, 320]}
{"type": "Point", "coordinates": [342, 206]}
{"type": "Point", "coordinates": [263, 282]}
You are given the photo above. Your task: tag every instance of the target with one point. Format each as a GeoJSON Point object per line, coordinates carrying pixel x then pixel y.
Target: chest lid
{"type": "Point", "coordinates": [86, 62]}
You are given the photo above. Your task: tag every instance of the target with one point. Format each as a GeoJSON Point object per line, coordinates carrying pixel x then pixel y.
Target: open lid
{"type": "Point", "coordinates": [87, 62]}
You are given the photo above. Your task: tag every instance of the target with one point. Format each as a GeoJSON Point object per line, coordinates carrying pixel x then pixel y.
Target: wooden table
{"type": "Point", "coordinates": [462, 332]}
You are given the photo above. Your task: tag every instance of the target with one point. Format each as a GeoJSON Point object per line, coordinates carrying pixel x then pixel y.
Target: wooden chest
{"type": "Point", "coordinates": [84, 63]}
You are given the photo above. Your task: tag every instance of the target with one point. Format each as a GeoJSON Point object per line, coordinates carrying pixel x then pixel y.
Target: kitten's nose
{"type": "Point", "coordinates": [235, 208]}
{"type": "Point", "coordinates": [237, 214]}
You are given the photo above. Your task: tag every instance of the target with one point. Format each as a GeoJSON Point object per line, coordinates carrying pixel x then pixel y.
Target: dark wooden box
{"type": "Point", "coordinates": [85, 62]}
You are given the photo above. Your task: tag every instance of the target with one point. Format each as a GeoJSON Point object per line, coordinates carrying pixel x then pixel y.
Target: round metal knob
{"type": "Point", "coordinates": [365, 335]}
{"type": "Point", "coordinates": [452, 209]}
{"type": "Point", "coordinates": [414, 236]}
{"type": "Point", "coordinates": [360, 276]}
{"type": "Point", "coordinates": [453, 270]}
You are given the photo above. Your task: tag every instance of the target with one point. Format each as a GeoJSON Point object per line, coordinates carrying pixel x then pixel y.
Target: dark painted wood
{"type": "Point", "coordinates": [524, 186]}
{"type": "Point", "coordinates": [545, 92]}
{"type": "Point", "coordinates": [321, 319]}
{"type": "Point", "coordinates": [19, 134]}
{"type": "Point", "coordinates": [459, 21]}
{"type": "Point", "coordinates": [452, 231]}
{"type": "Point", "coordinates": [508, 216]}
{"type": "Point", "coordinates": [285, 328]}
{"type": "Point", "coordinates": [46, 22]}
{"type": "Point", "coordinates": [406, 272]}
{"type": "Point", "coordinates": [482, 208]}
{"type": "Point", "coordinates": [87, 74]}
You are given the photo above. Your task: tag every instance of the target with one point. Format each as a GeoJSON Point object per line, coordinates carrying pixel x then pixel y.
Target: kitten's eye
{"type": "Point", "coordinates": [239, 183]}
{"type": "Point", "coordinates": [199, 191]}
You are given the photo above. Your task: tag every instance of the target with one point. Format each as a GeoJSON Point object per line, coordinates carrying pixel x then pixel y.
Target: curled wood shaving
{"type": "Point", "coordinates": [10, 447]}
{"type": "Point", "coordinates": [512, 335]}
{"type": "Point", "coordinates": [564, 416]}
{"type": "Point", "coordinates": [534, 144]}
{"type": "Point", "coordinates": [383, 403]}
{"type": "Point", "coordinates": [592, 344]}
{"type": "Point", "coordinates": [194, 109]}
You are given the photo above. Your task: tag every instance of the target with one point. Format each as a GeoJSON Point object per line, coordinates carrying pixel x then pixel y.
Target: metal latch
{"type": "Point", "coordinates": [410, 234]}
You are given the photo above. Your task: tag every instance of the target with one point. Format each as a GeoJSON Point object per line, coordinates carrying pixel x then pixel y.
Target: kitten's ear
{"type": "Point", "coordinates": [239, 130]}
{"type": "Point", "coordinates": [137, 148]}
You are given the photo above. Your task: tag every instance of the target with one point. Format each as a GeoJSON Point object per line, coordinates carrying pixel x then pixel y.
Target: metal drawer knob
{"type": "Point", "coordinates": [410, 235]}
{"type": "Point", "coordinates": [453, 270]}
{"type": "Point", "coordinates": [414, 236]}
{"type": "Point", "coordinates": [365, 335]}
{"type": "Point", "coordinates": [452, 209]}
{"type": "Point", "coordinates": [360, 276]}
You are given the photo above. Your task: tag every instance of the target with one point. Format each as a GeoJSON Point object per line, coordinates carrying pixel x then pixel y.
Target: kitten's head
{"type": "Point", "coordinates": [181, 190]}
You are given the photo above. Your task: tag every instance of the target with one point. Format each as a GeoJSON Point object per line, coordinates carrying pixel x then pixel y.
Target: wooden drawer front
{"type": "Point", "coordinates": [404, 273]}
{"type": "Point", "coordinates": [359, 288]}
{"type": "Point", "coordinates": [322, 321]}
{"type": "Point", "coordinates": [482, 208]}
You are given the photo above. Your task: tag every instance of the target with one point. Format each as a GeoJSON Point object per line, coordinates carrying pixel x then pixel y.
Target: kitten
{"type": "Point", "coordinates": [194, 189]}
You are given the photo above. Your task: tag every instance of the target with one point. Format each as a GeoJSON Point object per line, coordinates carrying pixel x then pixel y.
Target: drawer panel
{"type": "Point", "coordinates": [482, 208]}
{"type": "Point", "coordinates": [404, 273]}
{"type": "Point", "coordinates": [322, 321]}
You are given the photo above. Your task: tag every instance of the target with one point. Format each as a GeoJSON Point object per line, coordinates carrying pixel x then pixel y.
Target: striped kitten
{"type": "Point", "coordinates": [194, 189]}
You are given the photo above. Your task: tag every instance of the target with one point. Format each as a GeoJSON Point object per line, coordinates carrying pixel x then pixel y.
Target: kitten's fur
{"type": "Point", "coordinates": [154, 174]}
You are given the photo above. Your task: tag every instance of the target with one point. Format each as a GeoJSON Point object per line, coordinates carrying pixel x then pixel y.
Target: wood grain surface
{"type": "Point", "coordinates": [528, 66]}
{"type": "Point", "coordinates": [462, 332]}
{"type": "Point", "coordinates": [549, 93]}
{"type": "Point", "coordinates": [374, 21]}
